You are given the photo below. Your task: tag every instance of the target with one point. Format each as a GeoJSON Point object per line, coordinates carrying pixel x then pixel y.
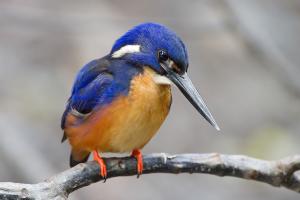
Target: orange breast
{"type": "Point", "coordinates": [127, 123]}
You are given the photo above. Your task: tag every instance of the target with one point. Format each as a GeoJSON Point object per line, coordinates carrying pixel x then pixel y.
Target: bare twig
{"type": "Point", "coordinates": [276, 173]}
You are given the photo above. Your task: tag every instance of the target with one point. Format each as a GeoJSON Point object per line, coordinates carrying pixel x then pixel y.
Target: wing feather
{"type": "Point", "coordinates": [97, 84]}
{"type": "Point", "coordinates": [92, 83]}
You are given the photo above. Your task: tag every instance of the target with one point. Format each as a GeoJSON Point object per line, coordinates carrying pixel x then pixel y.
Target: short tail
{"type": "Point", "coordinates": [77, 157]}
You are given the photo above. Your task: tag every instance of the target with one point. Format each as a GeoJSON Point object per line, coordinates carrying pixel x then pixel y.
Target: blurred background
{"type": "Point", "coordinates": [244, 59]}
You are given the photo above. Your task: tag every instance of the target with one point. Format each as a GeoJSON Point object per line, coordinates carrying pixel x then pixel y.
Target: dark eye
{"type": "Point", "coordinates": [163, 55]}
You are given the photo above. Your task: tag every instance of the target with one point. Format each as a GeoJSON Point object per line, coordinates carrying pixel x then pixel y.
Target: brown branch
{"type": "Point", "coordinates": [276, 173]}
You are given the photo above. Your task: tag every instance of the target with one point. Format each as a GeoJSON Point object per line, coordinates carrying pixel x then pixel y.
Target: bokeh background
{"type": "Point", "coordinates": [244, 59]}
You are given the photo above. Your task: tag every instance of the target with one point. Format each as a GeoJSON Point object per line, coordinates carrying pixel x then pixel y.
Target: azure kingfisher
{"type": "Point", "coordinates": [118, 102]}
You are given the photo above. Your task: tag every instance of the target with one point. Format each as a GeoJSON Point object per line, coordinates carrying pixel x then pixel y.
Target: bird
{"type": "Point", "coordinates": [119, 101]}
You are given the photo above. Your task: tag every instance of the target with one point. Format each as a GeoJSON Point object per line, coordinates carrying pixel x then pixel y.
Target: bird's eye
{"type": "Point", "coordinates": [163, 55]}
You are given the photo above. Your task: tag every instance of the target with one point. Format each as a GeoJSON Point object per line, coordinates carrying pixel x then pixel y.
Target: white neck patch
{"type": "Point", "coordinates": [161, 80]}
{"type": "Point", "coordinates": [126, 49]}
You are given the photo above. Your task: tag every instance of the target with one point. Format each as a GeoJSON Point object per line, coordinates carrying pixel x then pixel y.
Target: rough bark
{"type": "Point", "coordinates": [276, 173]}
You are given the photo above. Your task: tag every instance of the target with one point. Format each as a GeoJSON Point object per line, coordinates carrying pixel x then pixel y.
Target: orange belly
{"type": "Point", "coordinates": [127, 123]}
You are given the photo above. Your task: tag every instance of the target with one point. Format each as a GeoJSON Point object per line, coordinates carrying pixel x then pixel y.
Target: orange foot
{"type": "Point", "coordinates": [139, 157]}
{"type": "Point", "coordinates": [101, 163]}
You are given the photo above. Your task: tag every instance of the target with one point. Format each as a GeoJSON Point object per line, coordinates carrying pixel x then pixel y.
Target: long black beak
{"type": "Point", "coordinates": [186, 86]}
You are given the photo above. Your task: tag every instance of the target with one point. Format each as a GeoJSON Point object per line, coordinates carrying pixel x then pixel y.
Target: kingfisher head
{"type": "Point", "coordinates": [158, 47]}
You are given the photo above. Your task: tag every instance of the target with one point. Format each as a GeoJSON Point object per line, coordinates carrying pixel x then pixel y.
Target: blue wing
{"type": "Point", "coordinates": [97, 84]}
{"type": "Point", "coordinates": [89, 87]}
{"type": "Point", "coordinates": [88, 73]}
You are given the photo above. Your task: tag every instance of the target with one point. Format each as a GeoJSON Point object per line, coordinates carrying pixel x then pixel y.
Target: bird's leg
{"type": "Point", "coordinates": [101, 163]}
{"type": "Point", "coordinates": [139, 157]}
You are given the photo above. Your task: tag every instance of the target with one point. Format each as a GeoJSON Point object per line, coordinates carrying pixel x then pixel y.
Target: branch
{"type": "Point", "coordinates": [276, 173]}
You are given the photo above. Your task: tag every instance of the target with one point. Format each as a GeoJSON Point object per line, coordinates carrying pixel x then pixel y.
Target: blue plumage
{"type": "Point", "coordinates": [129, 123]}
{"type": "Point", "coordinates": [98, 83]}
{"type": "Point", "coordinates": [153, 37]}
{"type": "Point", "coordinates": [102, 80]}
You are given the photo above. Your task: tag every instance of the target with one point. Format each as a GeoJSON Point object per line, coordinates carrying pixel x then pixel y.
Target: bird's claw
{"type": "Point", "coordinates": [100, 161]}
{"type": "Point", "coordinates": [139, 157]}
